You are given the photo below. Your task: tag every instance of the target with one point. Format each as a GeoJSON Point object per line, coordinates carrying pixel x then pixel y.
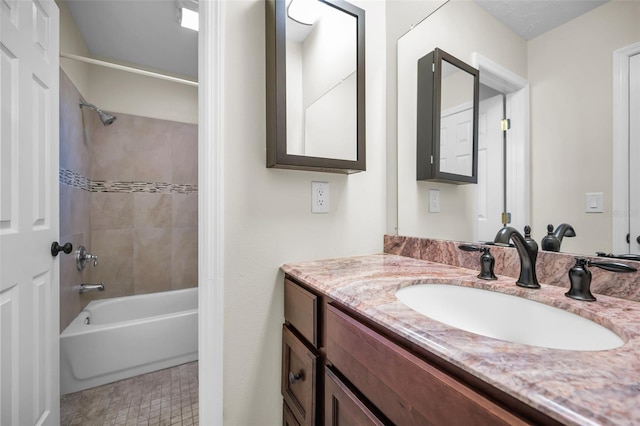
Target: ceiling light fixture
{"type": "Point", "coordinates": [306, 12]}
{"type": "Point", "coordinates": [188, 18]}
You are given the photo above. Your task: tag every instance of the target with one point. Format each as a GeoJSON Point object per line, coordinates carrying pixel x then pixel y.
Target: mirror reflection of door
{"type": "Point", "coordinates": [321, 81]}
{"type": "Point", "coordinates": [456, 121]}
{"type": "Point", "coordinates": [490, 190]}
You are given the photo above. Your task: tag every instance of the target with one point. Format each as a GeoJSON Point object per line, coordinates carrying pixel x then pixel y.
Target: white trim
{"type": "Point", "coordinates": [620, 178]}
{"type": "Point", "coordinates": [128, 69]}
{"type": "Point", "coordinates": [210, 211]}
{"type": "Point", "coordinates": [519, 156]}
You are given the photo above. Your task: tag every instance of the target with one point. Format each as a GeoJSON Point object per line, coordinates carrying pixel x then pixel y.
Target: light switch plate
{"type": "Point", "coordinates": [319, 197]}
{"type": "Point", "coordinates": [594, 202]}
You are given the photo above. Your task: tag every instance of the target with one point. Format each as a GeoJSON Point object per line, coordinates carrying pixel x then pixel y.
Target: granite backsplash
{"type": "Point", "coordinates": [552, 268]}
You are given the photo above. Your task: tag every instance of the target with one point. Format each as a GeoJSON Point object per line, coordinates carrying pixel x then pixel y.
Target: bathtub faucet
{"type": "Point", "coordinates": [91, 287]}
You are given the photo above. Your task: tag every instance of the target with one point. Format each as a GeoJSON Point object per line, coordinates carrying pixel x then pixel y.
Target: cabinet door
{"type": "Point", "coordinates": [405, 388]}
{"type": "Point", "coordinates": [299, 372]}
{"type": "Point", "coordinates": [342, 407]}
{"type": "Point", "coordinates": [287, 416]}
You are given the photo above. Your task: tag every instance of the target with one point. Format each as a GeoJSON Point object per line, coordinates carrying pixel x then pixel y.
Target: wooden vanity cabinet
{"type": "Point", "coordinates": [301, 359]}
{"type": "Point", "coordinates": [355, 372]}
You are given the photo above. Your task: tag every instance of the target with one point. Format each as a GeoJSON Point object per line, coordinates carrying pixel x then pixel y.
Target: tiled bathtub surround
{"type": "Point", "coordinates": [129, 195]}
{"type": "Point", "coordinates": [551, 268]}
{"type": "Point", "coordinates": [576, 388]}
{"type": "Point", "coordinates": [68, 177]}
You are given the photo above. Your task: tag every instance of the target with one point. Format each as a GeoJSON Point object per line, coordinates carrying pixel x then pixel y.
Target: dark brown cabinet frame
{"type": "Point", "coordinates": [428, 119]}
{"type": "Point", "coordinates": [277, 157]}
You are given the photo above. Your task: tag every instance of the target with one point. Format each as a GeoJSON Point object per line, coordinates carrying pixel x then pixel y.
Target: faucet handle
{"type": "Point", "coordinates": [612, 266]}
{"type": "Point", "coordinates": [580, 277]}
{"type": "Point", "coordinates": [487, 261]}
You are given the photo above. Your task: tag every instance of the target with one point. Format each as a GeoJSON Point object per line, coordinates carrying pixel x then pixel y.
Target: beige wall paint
{"type": "Point", "coordinates": [401, 17]}
{"type": "Point", "coordinates": [267, 212]}
{"type": "Point", "coordinates": [459, 28]}
{"type": "Point", "coordinates": [71, 41]}
{"type": "Point", "coordinates": [119, 91]}
{"type": "Point", "coordinates": [571, 134]}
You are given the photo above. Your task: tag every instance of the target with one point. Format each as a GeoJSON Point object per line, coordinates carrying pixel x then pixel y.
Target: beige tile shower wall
{"type": "Point", "coordinates": [75, 224]}
{"type": "Point", "coordinates": [146, 241]}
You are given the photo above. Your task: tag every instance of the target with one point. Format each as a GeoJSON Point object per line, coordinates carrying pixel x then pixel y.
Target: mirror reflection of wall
{"type": "Point", "coordinates": [569, 72]}
{"type": "Point", "coordinates": [321, 82]}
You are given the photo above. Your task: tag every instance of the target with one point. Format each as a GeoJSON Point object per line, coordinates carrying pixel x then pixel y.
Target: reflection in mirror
{"type": "Point", "coordinates": [456, 120]}
{"type": "Point", "coordinates": [315, 85]}
{"type": "Point", "coordinates": [447, 115]}
{"type": "Point", "coordinates": [569, 142]}
{"type": "Point", "coordinates": [321, 82]}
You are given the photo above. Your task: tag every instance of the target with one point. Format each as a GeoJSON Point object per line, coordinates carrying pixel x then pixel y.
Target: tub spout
{"type": "Point", "coordinates": [91, 287]}
{"type": "Point", "coordinates": [526, 253]}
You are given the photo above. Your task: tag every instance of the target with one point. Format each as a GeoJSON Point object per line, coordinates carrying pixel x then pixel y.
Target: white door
{"type": "Point", "coordinates": [29, 275]}
{"type": "Point", "coordinates": [634, 154]}
{"type": "Point", "coordinates": [489, 192]}
{"type": "Point", "coordinates": [456, 140]}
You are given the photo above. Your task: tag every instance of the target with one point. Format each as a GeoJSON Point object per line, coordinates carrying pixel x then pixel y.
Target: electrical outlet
{"type": "Point", "coordinates": [434, 201]}
{"type": "Point", "coordinates": [319, 197]}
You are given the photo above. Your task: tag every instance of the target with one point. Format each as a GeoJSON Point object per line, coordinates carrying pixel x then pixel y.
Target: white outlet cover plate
{"type": "Point", "coordinates": [319, 197]}
{"type": "Point", "coordinates": [434, 201]}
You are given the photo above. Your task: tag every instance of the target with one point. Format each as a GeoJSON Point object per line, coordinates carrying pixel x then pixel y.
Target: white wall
{"type": "Point", "coordinates": [267, 212]}
{"type": "Point", "coordinates": [570, 70]}
{"type": "Point", "coordinates": [401, 16]}
{"type": "Point", "coordinates": [459, 28]}
{"type": "Point", "coordinates": [122, 92]}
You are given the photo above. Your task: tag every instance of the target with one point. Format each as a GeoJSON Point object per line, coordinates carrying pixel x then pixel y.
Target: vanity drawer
{"type": "Point", "coordinates": [299, 375]}
{"type": "Point", "coordinates": [301, 311]}
{"type": "Point", "coordinates": [342, 407]}
{"type": "Point", "coordinates": [405, 388]}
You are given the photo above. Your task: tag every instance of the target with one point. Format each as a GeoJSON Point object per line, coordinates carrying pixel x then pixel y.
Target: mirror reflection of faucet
{"type": "Point", "coordinates": [83, 256]}
{"type": "Point", "coordinates": [553, 239]}
{"type": "Point", "coordinates": [84, 288]}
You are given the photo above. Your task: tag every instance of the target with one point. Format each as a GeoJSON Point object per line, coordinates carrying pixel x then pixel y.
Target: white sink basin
{"type": "Point", "coordinates": [506, 317]}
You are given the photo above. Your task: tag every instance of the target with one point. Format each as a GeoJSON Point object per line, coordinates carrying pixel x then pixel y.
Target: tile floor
{"type": "Point", "coordinates": [165, 397]}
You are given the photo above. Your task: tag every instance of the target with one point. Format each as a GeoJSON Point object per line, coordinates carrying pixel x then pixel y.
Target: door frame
{"type": "Point", "coordinates": [620, 178]}
{"type": "Point", "coordinates": [518, 158]}
{"type": "Point", "coordinates": [210, 208]}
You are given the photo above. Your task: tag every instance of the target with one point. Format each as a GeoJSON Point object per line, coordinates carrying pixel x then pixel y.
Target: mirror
{"type": "Point", "coordinates": [447, 124]}
{"type": "Point", "coordinates": [315, 85]}
{"type": "Point", "coordinates": [567, 152]}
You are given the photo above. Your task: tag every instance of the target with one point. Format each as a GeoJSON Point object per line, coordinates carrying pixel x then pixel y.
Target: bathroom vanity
{"type": "Point", "coordinates": [354, 354]}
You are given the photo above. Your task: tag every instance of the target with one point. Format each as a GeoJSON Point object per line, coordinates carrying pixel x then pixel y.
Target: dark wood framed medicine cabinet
{"type": "Point", "coordinates": [447, 121]}
{"type": "Point", "coordinates": [315, 89]}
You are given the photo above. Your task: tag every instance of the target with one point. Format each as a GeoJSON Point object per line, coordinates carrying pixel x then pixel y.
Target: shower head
{"type": "Point", "coordinates": [106, 118]}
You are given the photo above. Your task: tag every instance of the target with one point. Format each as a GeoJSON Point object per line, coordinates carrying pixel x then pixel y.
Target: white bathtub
{"type": "Point", "coordinates": [113, 339]}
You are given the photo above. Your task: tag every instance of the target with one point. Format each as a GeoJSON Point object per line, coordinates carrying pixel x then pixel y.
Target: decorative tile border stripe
{"type": "Point", "coordinates": [70, 178]}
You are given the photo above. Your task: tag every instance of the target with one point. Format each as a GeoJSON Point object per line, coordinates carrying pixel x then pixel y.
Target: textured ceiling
{"type": "Point", "coordinates": [530, 18]}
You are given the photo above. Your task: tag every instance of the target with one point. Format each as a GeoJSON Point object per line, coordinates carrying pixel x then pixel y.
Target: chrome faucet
{"type": "Point", "coordinates": [91, 287]}
{"type": "Point", "coordinates": [83, 256]}
{"type": "Point", "coordinates": [527, 253]}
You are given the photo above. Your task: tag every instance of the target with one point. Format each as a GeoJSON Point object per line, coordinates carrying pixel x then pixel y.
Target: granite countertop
{"type": "Point", "coordinates": [580, 388]}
